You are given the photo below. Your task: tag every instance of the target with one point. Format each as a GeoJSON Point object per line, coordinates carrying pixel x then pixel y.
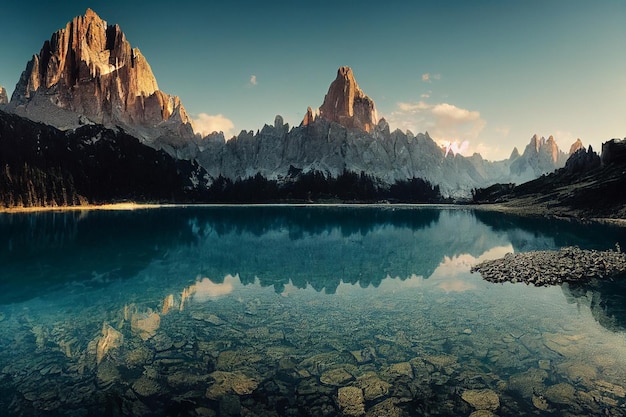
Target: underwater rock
{"type": "Point", "coordinates": [350, 401]}
{"type": "Point", "coordinates": [110, 339]}
{"type": "Point", "coordinates": [565, 345]}
{"type": "Point", "coordinates": [577, 372]}
{"type": "Point", "coordinates": [336, 377]}
{"type": "Point", "coordinates": [233, 359]}
{"type": "Point", "coordinates": [540, 402]}
{"type": "Point", "coordinates": [107, 374]}
{"type": "Point", "coordinates": [482, 413]}
{"type": "Point", "coordinates": [209, 318]}
{"type": "Point", "coordinates": [181, 379]}
{"type": "Point", "coordinates": [373, 387]}
{"type": "Point", "coordinates": [562, 393]}
{"type": "Point", "coordinates": [146, 386]}
{"type": "Point", "coordinates": [364, 356]}
{"type": "Point", "coordinates": [529, 382]}
{"type": "Point", "coordinates": [613, 389]}
{"type": "Point", "coordinates": [230, 383]}
{"type": "Point", "coordinates": [400, 369]}
{"type": "Point", "coordinates": [387, 408]}
{"type": "Point", "coordinates": [484, 399]}
{"type": "Point", "coordinates": [318, 364]}
{"type": "Point", "coordinates": [138, 357]}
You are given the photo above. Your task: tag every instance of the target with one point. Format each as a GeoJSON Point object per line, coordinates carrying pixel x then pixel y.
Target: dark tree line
{"type": "Point", "coordinates": [316, 187]}
{"type": "Point", "coordinates": [42, 166]}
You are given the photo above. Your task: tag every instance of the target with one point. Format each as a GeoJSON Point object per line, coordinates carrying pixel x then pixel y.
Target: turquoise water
{"type": "Point", "coordinates": [299, 311]}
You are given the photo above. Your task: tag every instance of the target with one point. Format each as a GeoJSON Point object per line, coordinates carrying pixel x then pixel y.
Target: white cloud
{"type": "Point", "coordinates": [253, 80]}
{"type": "Point", "coordinates": [205, 124]}
{"type": "Point", "coordinates": [428, 77]}
{"type": "Point", "coordinates": [413, 107]}
{"type": "Point", "coordinates": [425, 95]}
{"type": "Point", "coordinates": [454, 128]}
{"type": "Point", "coordinates": [454, 114]}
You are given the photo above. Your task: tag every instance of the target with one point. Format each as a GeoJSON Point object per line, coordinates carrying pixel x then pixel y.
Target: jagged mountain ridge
{"type": "Point", "coordinates": [89, 73]}
{"type": "Point", "coordinates": [344, 135]}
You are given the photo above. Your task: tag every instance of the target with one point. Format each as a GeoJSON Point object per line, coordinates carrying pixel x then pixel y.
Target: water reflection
{"type": "Point", "coordinates": [274, 310]}
{"type": "Point", "coordinates": [279, 247]}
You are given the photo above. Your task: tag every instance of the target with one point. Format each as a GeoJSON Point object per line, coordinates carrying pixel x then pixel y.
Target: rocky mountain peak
{"type": "Point", "coordinates": [3, 96]}
{"type": "Point", "coordinates": [551, 148]}
{"type": "Point", "coordinates": [346, 104]}
{"type": "Point", "coordinates": [536, 142]}
{"type": "Point", "coordinates": [576, 146]}
{"type": "Point", "coordinates": [89, 70]}
{"type": "Point", "coordinates": [540, 156]}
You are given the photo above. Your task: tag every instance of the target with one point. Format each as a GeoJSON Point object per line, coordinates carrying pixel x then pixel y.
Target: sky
{"type": "Point", "coordinates": [483, 76]}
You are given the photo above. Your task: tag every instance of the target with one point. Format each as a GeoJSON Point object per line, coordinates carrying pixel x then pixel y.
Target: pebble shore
{"type": "Point", "coordinates": [553, 267]}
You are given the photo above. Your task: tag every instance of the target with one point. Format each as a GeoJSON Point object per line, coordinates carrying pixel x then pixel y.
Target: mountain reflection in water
{"type": "Point", "coordinates": [213, 310]}
{"type": "Point", "coordinates": [279, 246]}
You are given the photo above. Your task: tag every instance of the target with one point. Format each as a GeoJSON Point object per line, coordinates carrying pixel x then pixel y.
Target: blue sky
{"type": "Point", "coordinates": [486, 75]}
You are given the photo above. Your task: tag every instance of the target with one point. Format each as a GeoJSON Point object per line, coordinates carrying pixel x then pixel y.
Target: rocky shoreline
{"type": "Point", "coordinates": [553, 267]}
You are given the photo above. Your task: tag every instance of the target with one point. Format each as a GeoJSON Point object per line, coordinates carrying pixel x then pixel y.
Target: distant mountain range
{"type": "Point", "coordinates": [588, 186]}
{"type": "Point", "coordinates": [88, 74]}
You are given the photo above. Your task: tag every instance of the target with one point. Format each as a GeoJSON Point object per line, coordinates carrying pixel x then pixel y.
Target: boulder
{"type": "Point", "coordinates": [351, 401]}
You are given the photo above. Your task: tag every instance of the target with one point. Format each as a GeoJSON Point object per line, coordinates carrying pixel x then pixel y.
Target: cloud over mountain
{"type": "Point", "coordinates": [446, 123]}
{"type": "Point", "coordinates": [205, 124]}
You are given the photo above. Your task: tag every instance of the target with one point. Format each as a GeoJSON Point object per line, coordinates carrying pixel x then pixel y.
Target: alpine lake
{"type": "Point", "coordinates": [300, 311]}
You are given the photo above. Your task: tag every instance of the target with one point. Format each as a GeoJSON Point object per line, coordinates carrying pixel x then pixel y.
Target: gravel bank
{"type": "Point", "coordinates": [569, 264]}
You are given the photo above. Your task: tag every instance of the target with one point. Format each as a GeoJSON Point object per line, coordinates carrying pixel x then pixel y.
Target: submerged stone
{"type": "Point", "coordinates": [146, 386]}
{"type": "Point", "coordinates": [529, 382]}
{"type": "Point", "coordinates": [373, 387]}
{"type": "Point", "coordinates": [562, 393]}
{"type": "Point", "coordinates": [351, 402]}
{"type": "Point", "coordinates": [336, 377]}
{"type": "Point", "coordinates": [226, 383]}
{"type": "Point", "coordinates": [484, 399]}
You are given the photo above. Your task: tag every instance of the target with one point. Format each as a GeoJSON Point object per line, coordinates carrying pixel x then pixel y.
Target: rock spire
{"type": "Point", "coordinates": [3, 96]}
{"type": "Point", "coordinates": [346, 104]}
{"type": "Point", "coordinates": [89, 70]}
{"type": "Point", "coordinates": [576, 146]}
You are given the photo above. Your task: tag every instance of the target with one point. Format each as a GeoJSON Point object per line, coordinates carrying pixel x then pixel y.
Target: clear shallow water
{"type": "Point", "coordinates": [299, 311]}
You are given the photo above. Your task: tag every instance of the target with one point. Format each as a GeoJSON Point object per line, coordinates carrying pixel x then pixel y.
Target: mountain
{"type": "Point", "coordinates": [89, 73]}
{"type": "Point", "coordinates": [588, 186]}
{"type": "Point", "coordinates": [343, 135]}
{"type": "Point", "coordinates": [3, 96]}
{"type": "Point", "coordinates": [346, 104]}
{"type": "Point", "coordinates": [540, 157]}
{"type": "Point", "coordinates": [43, 166]}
